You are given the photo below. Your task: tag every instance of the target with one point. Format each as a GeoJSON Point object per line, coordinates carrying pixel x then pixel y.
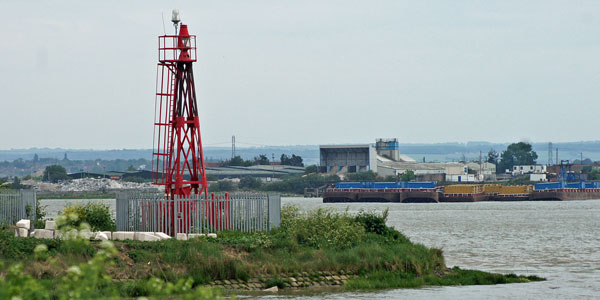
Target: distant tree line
{"type": "Point", "coordinates": [262, 159]}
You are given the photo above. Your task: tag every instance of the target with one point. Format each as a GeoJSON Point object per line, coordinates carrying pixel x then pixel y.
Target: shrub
{"type": "Point", "coordinates": [321, 228]}
{"type": "Point", "coordinates": [373, 222]}
{"type": "Point", "coordinates": [96, 214]}
{"type": "Point", "coordinates": [221, 186]}
{"type": "Point", "coordinates": [250, 183]}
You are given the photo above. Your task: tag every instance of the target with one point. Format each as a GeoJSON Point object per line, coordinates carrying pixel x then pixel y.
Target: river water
{"type": "Point", "coordinates": [556, 240]}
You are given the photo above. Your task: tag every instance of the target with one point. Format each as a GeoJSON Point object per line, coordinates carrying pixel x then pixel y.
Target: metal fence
{"type": "Point", "coordinates": [153, 212]}
{"type": "Point", "coordinates": [16, 205]}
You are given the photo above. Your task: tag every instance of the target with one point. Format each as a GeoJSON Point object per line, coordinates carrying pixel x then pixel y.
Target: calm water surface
{"type": "Point", "coordinates": [556, 240]}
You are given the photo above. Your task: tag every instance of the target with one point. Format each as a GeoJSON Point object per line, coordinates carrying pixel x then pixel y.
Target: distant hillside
{"type": "Point", "coordinates": [310, 153]}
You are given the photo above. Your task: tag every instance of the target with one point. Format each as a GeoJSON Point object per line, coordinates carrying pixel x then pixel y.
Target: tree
{"type": "Point", "coordinates": [408, 176]}
{"type": "Point", "coordinates": [311, 169]}
{"type": "Point", "coordinates": [238, 161]}
{"type": "Point", "coordinates": [492, 157]}
{"type": "Point", "coordinates": [55, 173]}
{"type": "Point", "coordinates": [131, 168]}
{"type": "Point", "coordinates": [250, 183]}
{"type": "Point", "coordinates": [294, 160]}
{"type": "Point", "coordinates": [16, 184]}
{"type": "Point", "coordinates": [261, 160]}
{"type": "Point", "coordinates": [221, 186]}
{"type": "Point", "coordinates": [362, 176]}
{"type": "Point", "coordinates": [517, 154]}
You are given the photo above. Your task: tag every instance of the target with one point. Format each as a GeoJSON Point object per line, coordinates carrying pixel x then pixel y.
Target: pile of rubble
{"type": "Point", "coordinates": [93, 185]}
{"type": "Point", "coordinates": [49, 232]}
{"type": "Point", "coordinates": [88, 185]}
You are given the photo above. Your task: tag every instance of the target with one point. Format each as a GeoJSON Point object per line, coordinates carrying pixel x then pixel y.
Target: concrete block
{"type": "Point", "coordinates": [23, 232]}
{"type": "Point", "coordinates": [44, 234]}
{"type": "Point", "coordinates": [182, 236]}
{"type": "Point", "coordinates": [271, 289]}
{"type": "Point", "coordinates": [212, 235]}
{"type": "Point", "coordinates": [145, 237]}
{"type": "Point", "coordinates": [24, 223]}
{"type": "Point", "coordinates": [50, 225]}
{"type": "Point", "coordinates": [162, 235]}
{"type": "Point", "coordinates": [101, 236]}
{"type": "Point", "coordinates": [195, 235]}
{"type": "Point", "coordinates": [123, 235]}
{"type": "Point", "coordinates": [107, 233]}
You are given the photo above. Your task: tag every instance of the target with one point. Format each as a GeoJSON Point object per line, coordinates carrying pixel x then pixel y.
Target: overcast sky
{"type": "Point", "coordinates": [81, 74]}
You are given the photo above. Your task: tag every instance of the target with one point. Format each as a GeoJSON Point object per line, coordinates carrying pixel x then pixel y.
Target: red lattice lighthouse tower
{"type": "Point", "coordinates": [178, 161]}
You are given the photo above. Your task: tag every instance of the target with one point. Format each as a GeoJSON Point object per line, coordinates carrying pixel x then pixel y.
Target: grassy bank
{"type": "Point", "coordinates": [310, 242]}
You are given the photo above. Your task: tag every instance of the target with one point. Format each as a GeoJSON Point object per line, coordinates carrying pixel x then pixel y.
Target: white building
{"type": "Point", "coordinates": [484, 172]}
{"type": "Point", "coordinates": [528, 169]}
{"type": "Point", "coordinates": [537, 177]}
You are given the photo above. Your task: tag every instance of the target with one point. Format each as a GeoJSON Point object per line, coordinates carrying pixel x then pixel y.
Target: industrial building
{"type": "Point", "coordinates": [341, 159]}
{"type": "Point", "coordinates": [385, 159]}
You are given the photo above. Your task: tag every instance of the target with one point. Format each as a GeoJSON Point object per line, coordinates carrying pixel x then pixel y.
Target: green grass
{"type": "Point", "coordinates": [386, 280]}
{"type": "Point", "coordinates": [306, 242]}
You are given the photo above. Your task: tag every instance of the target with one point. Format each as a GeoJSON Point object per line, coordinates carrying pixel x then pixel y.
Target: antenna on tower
{"type": "Point", "coordinates": [163, 18]}
{"type": "Point", "coordinates": [233, 146]}
{"type": "Point", "coordinates": [550, 162]}
{"type": "Point", "coordinates": [175, 19]}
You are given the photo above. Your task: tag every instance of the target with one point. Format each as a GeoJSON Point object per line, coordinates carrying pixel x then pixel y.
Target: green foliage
{"type": "Point", "coordinates": [55, 173]}
{"type": "Point", "coordinates": [385, 280]}
{"type": "Point", "coordinates": [221, 186]}
{"type": "Point", "coordinates": [321, 228]}
{"type": "Point", "coordinates": [16, 184]}
{"type": "Point", "coordinates": [408, 176]}
{"type": "Point", "coordinates": [131, 168]}
{"type": "Point", "coordinates": [88, 279]}
{"type": "Point", "coordinates": [297, 183]}
{"type": "Point", "coordinates": [136, 179]}
{"type": "Point", "coordinates": [250, 183]}
{"type": "Point", "coordinates": [492, 157]}
{"type": "Point", "coordinates": [276, 281]}
{"type": "Point", "coordinates": [319, 240]}
{"type": "Point", "coordinates": [238, 161]}
{"type": "Point", "coordinates": [389, 178]}
{"type": "Point", "coordinates": [362, 176]}
{"type": "Point", "coordinates": [517, 154]}
{"type": "Point", "coordinates": [96, 214]}
{"type": "Point", "coordinates": [40, 214]}
{"type": "Point", "coordinates": [261, 160]}
{"type": "Point", "coordinates": [372, 222]}
{"type": "Point", "coordinates": [294, 160]}
{"type": "Point", "coordinates": [12, 247]}
{"type": "Point", "coordinates": [521, 180]}
{"type": "Point", "coordinates": [311, 169]}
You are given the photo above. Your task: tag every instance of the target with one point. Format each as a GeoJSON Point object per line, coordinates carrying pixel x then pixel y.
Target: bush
{"type": "Point", "coordinates": [96, 214]}
{"type": "Point", "coordinates": [221, 186]}
{"type": "Point", "coordinates": [321, 228]}
{"type": "Point", "coordinates": [373, 222]}
{"type": "Point", "coordinates": [250, 183]}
